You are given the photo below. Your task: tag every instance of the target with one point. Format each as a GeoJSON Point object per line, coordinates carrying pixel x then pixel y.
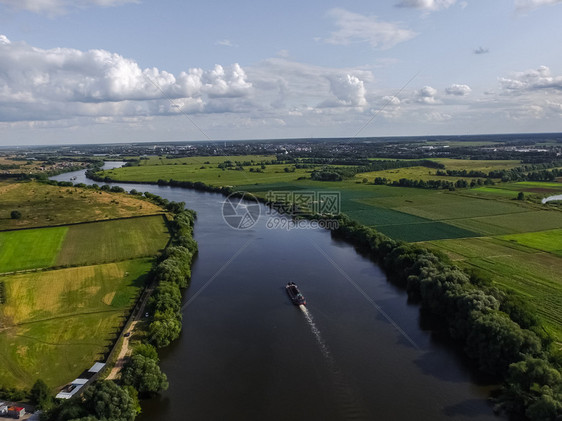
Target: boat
{"type": "Point", "coordinates": [296, 297]}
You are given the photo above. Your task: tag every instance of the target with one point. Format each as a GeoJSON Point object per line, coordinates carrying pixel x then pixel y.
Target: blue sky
{"type": "Point", "coordinates": [90, 71]}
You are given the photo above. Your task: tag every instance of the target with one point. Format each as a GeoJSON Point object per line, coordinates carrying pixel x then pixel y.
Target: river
{"type": "Point", "coordinates": [359, 352]}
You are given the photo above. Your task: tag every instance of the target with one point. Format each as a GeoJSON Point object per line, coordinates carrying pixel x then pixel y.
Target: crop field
{"type": "Point", "coordinates": [550, 241]}
{"type": "Point", "coordinates": [83, 244]}
{"type": "Point", "coordinates": [116, 240]}
{"type": "Point", "coordinates": [411, 173]}
{"type": "Point", "coordinates": [533, 274]}
{"type": "Point", "coordinates": [57, 323]}
{"type": "Point", "coordinates": [30, 249]}
{"type": "Point", "coordinates": [43, 205]}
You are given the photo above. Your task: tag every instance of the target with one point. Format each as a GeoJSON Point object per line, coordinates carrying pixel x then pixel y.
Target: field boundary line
{"type": "Point", "coordinates": [83, 222]}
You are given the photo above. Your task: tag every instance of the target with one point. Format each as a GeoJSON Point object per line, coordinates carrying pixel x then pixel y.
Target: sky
{"type": "Point", "coordinates": [111, 71]}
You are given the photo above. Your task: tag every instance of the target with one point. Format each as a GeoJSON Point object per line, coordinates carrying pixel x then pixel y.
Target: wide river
{"type": "Point", "coordinates": [359, 352]}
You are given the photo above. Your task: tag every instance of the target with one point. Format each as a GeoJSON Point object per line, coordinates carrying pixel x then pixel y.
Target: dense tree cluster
{"type": "Point", "coordinates": [103, 401]}
{"type": "Point", "coordinates": [172, 273]}
{"type": "Point", "coordinates": [499, 333]}
{"type": "Point", "coordinates": [143, 373]}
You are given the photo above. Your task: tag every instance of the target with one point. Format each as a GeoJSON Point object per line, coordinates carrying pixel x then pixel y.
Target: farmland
{"type": "Point", "coordinates": [82, 244]}
{"type": "Point", "coordinates": [54, 321]}
{"type": "Point", "coordinates": [515, 243]}
{"type": "Point", "coordinates": [46, 205]}
{"type": "Point", "coordinates": [54, 324]}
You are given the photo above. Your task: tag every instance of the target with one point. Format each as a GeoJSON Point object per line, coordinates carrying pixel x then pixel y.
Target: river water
{"type": "Point", "coordinates": [358, 351]}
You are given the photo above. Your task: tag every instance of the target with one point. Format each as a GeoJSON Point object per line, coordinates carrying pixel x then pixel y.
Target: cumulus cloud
{"type": "Point", "coordinates": [59, 6]}
{"type": "Point", "coordinates": [354, 27]}
{"type": "Point", "coordinates": [427, 95]}
{"type": "Point", "coordinates": [348, 89]}
{"type": "Point", "coordinates": [429, 5]}
{"type": "Point", "coordinates": [481, 50]}
{"type": "Point", "coordinates": [532, 80]}
{"type": "Point", "coordinates": [458, 90]}
{"type": "Point", "coordinates": [46, 83]}
{"type": "Point", "coordinates": [532, 4]}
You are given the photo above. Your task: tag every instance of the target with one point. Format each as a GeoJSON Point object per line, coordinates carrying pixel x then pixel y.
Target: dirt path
{"type": "Point", "coordinates": [125, 351]}
{"type": "Point", "coordinates": [122, 355]}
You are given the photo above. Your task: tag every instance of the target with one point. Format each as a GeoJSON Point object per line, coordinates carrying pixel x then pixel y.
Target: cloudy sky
{"type": "Point", "coordinates": [89, 71]}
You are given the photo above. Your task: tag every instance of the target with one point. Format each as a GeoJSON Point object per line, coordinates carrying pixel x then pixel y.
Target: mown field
{"type": "Point", "coordinates": [54, 324]}
{"type": "Point", "coordinates": [515, 243]}
{"type": "Point", "coordinates": [83, 244]}
{"type": "Point", "coordinates": [43, 205]}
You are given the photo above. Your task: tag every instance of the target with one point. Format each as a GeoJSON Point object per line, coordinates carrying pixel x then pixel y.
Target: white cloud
{"type": "Point", "coordinates": [348, 89]}
{"type": "Point", "coordinates": [54, 7]}
{"type": "Point", "coordinates": [532, 4]}
{"type": "Point", "coordinates": [353, 27]}
{"type": "Point", "coordinates": [429, 5]}
{"type": "Point", "coordinates": [49, 84]}
{"type": "Point", "coordinates": [532, 80]}
{"type": "Point", "coordinates": [427, 95]}
{"type": "Point", "coordinates": [458, 90]}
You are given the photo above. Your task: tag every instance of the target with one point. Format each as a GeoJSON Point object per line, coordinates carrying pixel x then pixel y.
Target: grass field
{"type": "Point", "coordinates": [550, 241]}
{"type": "Point", "coordinates": [211, 175]}
{"type": "Point", "coordinates": [30, 249]}
{"type": "Point", "coordinates": [532, 273]}
{"type": "Point", "coordinates": [83, 244]}
{"type": "Point", "coordinates": [43, 204]}
{"type": "Point", "coordinates": [55, 324]}
{"type": "Point", "coordinates": [117, 240]}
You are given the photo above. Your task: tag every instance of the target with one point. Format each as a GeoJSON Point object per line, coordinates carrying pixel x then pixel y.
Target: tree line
{"type": "Point", "coordinates": [497, 330]}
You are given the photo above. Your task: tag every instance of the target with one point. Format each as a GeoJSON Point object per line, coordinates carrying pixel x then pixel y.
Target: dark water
{"type": "Point", "coordinates": [359, 352]}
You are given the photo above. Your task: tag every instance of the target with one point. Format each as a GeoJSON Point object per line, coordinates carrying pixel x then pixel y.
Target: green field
{"type": "Point", "coordinates": [550, 241]}
{"type": "Point", "coordinates": [532, 273]}
{"type": "Point", "coordinates": [30, 249]}
{"type": "Point", "coordinates": [83, 244]}
{"type": "Point", "coordinates": [55, 324]}
{"type": "Point", "coordinates": [46, 205]}
{"type": "Point", "coordinates": [117, 240]}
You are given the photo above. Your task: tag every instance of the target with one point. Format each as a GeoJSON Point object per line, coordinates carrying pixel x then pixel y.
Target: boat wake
{"type": "Point", "coordinates": [350, 406]}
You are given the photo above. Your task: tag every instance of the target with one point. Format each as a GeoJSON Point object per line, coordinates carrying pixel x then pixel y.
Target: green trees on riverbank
{"type": "Point", "coordinates": [498, 333]}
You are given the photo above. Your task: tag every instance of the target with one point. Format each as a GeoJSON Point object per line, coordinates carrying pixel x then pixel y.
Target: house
{"type": "Point", "coordinates": [16, 412]}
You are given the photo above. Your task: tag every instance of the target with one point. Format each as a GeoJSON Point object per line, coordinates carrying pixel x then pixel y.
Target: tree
{"type": "Point", "coordinates": [15, 214]}
{"type": "Point", "coordinates": [144, 375]}
{"type": "Point", "coordinates": [106, 400]}
{"type": "Point", "coordinates": [147, 351]}
{"type": "Point", "coordinates": [40, 395]}
{"type": "Point", "coordinates": [521, 196]}
{"type": "Point", "coordinates": [164, 329]}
